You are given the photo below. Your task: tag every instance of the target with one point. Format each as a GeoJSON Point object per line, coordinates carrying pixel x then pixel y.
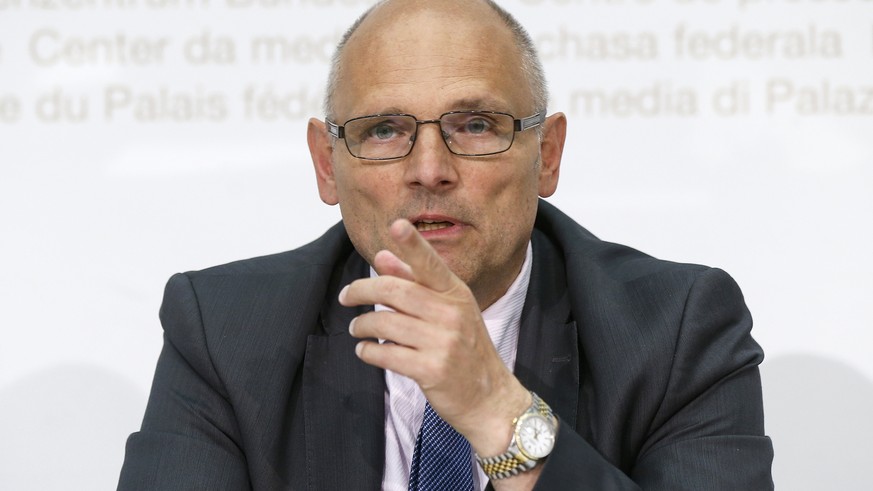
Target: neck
{"type": "Point", "coordinates": [488, 292]}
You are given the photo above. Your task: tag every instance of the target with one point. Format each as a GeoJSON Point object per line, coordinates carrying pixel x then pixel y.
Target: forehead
{"type": "Point", "coordinates": [429, 60]}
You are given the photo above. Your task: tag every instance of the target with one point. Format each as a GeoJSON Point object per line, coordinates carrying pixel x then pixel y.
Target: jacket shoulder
{"type": "Point", "coordinates": [259, 308]}
{"type": "Point", "coordinates": [608, 261]}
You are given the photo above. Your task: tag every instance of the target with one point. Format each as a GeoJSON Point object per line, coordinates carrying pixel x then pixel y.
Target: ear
{"type": "Point", "coordinates": [551, 149]}
{"type": "Point", "coordinates": [321, 150]}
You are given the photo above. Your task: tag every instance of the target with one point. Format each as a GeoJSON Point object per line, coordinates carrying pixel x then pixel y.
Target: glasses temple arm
{"type": "Point", "coordinates": [334, 129]}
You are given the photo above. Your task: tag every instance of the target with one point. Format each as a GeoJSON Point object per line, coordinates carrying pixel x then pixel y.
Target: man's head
{"type": "Point", "coordinates": [529, 59]}
{"type": "Point", "coordinates": [427, 58]}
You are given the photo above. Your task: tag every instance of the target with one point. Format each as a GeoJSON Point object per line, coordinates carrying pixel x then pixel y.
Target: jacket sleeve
{"type": "Point", "coordinates": [708, 431]}
{"type": "Point", "coordinates": [189, 436]}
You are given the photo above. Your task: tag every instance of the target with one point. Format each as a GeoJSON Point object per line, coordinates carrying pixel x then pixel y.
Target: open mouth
{"type": "Point", "coordinates": [429, 225]}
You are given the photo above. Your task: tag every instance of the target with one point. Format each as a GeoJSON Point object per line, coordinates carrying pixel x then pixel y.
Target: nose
{"type": "Point", "coordinates": [430, 164]}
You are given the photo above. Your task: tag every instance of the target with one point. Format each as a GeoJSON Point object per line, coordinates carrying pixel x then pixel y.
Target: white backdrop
{"type": "Point", "coordinates": [139, 138]}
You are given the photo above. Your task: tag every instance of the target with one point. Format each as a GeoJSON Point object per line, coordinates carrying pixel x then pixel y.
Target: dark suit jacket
{"type": "Point", "coordinates": [649, 364]}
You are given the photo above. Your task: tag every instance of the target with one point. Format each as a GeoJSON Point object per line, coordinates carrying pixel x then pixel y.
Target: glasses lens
{"type": "Point", "coordinates": [380, 137]}
{"type": "Point", "coordinates": [478, 133]}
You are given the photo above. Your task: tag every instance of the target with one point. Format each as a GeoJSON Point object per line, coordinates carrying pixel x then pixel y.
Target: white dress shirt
{"type": "Point", "coordinates": [404, 401]}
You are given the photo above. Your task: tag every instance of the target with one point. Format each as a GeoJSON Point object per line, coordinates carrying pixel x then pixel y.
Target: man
{"type": "Point", "coordinates": [536, 354]}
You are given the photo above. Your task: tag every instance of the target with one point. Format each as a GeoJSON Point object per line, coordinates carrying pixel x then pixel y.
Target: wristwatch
{"type": "Point", "coordinates": [532, 440]}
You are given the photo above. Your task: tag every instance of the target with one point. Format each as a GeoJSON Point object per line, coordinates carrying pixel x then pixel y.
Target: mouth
{"type": "Point", "coordinates": [436, 225]}
{"type": "Point", "coordinates": [431, 225]}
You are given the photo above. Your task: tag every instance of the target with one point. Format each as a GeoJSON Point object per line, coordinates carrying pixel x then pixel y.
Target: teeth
{"type": "Point", "coordinates": [428, 225]}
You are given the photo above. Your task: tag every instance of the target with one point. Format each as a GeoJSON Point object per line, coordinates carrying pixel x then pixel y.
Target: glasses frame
{"type": "Point", "coordinates": [519, 124]}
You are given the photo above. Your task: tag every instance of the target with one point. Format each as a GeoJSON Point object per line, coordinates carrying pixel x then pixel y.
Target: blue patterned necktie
{"type": "Point", "coordinates": [442, 460]}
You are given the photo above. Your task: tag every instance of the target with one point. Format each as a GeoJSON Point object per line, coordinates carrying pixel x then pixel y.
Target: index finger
{"type": "Point", "coordinates": [428, 268]}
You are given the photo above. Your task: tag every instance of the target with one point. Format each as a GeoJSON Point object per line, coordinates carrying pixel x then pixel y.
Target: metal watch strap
{"type": "Point", "coordinates": [511, 463]}
{"type": "Point", "coordinates": [505, 465]}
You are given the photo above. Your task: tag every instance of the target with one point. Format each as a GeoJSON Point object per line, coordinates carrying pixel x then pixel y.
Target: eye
{"type": "Point", "coordinates": [472, 124]}
{"type": "Point", "coordinates": [382, 131]}
{"type": "Point", "coordinates": [476, 125]}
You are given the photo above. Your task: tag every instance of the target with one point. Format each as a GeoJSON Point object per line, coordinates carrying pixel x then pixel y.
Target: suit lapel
{"type": "Point", "coordinates": [343, 400]}
{"type": "Point", "coordinates": [547, 360]}
{"type": "Point", "coordinates": [548, 349]}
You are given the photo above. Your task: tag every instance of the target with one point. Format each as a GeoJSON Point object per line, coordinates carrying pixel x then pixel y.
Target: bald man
{"type": "Point", "coordinates": [454, 331]}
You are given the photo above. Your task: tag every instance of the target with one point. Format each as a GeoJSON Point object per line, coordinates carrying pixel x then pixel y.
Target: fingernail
{"type": "Point", "coordinates": [342, 295]}
{"type": "Point", "coordinates": [352, 326]}
{"type": "Point", "coordinates": [358, 348]}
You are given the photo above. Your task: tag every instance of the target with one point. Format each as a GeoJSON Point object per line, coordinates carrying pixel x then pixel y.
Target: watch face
{"type": "Point", "coordinates": [535, 436]}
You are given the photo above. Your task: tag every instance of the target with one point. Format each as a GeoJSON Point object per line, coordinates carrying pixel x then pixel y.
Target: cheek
{"type": "Point", "coordinates": [363, 184]}
{"type": "Point", "coordinates": [365, 202]}
{"type": "Point", "coordinates": [518, 199]}
{"type": "Point", "coordinates": [363, 225]}
{"type": "Point", "coordinates": [519, 188]}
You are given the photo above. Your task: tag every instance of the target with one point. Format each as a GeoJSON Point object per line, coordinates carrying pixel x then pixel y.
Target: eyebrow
{"type": "Point", "coordinates": [466, 104]}
{"type": "Point", "coordinates": [480, 104]}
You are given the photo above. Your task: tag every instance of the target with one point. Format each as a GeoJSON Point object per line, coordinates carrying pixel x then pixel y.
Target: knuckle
{"type": "Point", "coordinates": [385, 286]}
{"type": "Point", "coordinates": [454, 318]}
{"type": "Point", "coordinates": [372, 325]}
{"type": "Point", "coordinates": [431, 368]}
{"type": "Point", "coordinates": [432, 261]}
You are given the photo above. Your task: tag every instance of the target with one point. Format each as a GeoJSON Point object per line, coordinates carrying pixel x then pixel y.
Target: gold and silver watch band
{"type": "Point", "coordinates": [505, 465]}
{"type": "Point", "coordinates": [514, 461]}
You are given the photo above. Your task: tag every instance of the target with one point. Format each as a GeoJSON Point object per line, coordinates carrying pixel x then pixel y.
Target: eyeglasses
{"type": "Point", "coordinates": [466, 133]}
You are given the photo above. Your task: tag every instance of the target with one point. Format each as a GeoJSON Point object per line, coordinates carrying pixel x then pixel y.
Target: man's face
{"type": "Point", "coordinates": [477, 212]}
